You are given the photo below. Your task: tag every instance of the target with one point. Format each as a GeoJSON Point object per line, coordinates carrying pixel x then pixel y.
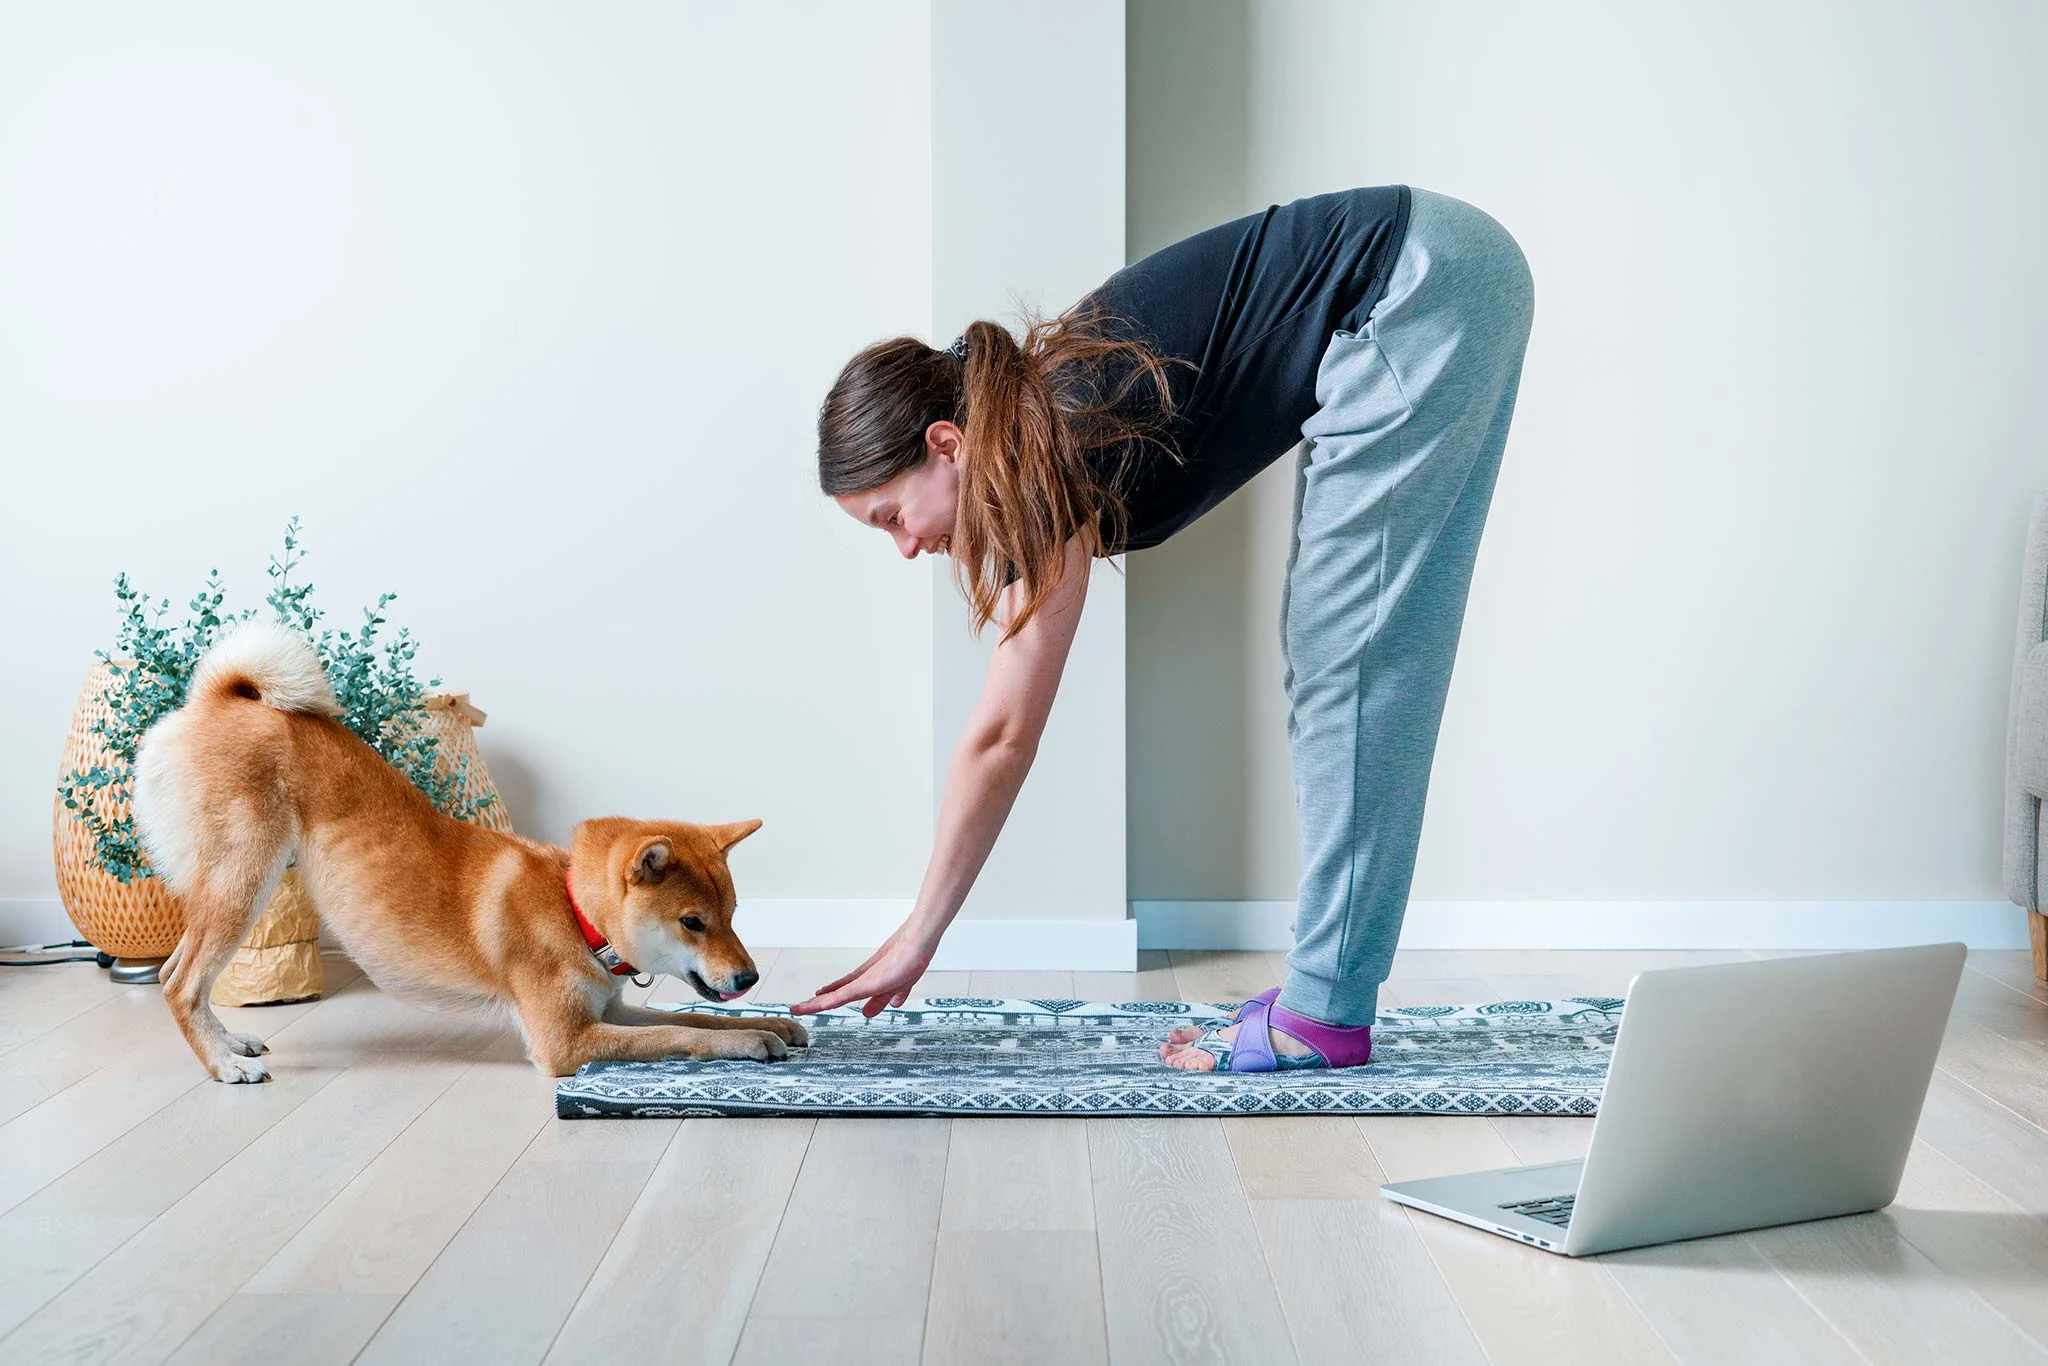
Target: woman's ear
{"type": "Point", "coordinates": [943, 439]}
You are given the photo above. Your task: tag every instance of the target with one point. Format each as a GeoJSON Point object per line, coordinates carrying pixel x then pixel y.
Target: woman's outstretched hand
{"type": "Point", "coordinates": [884, 980]}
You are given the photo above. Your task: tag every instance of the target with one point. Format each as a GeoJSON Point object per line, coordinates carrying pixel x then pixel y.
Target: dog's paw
{"type": "Point", "coordinates": [790, 1031]}
{"type": "Point", "coordinates": [248, 1045]}
{"type": "Point", "coordinates": [235, 1070]}
{"type": "Point", "coordinates": [758, 1045]}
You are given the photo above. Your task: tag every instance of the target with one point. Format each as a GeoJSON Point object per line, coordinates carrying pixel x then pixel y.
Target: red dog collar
{"type": "Point", "coordinates": [600, 947]}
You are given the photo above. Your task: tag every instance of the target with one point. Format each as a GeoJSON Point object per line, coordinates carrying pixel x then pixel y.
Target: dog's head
{"type": "Point", "coordinates": [666, 898]}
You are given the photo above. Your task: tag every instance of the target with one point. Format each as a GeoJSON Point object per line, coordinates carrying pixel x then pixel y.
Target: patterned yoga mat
{"type": "Point", "coordinates": [963, 1055]}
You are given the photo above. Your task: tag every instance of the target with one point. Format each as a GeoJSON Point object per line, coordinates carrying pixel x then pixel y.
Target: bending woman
{"type": "Point", "coordinates": [1382, 330]}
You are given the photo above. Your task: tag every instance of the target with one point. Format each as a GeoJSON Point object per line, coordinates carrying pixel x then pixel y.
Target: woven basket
{"type": "Point", "coordinates": [141, 919]}
{"type": "Point", "coordinates": [138, 919]}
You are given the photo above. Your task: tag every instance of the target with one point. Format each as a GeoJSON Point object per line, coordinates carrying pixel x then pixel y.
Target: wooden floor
{"type": "Point", "coordinates": [401, 1193]}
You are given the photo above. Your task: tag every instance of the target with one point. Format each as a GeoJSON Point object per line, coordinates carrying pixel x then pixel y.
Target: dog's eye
{"type": "Point", "coordinates": [693, 924]}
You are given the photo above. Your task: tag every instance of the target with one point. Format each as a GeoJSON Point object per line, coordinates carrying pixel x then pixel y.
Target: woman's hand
{"type": "Point", "coordinates": [884, 980]}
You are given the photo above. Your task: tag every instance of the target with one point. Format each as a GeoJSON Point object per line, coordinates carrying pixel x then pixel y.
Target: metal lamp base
{"type": "Point", "coordinates": [134, 971]}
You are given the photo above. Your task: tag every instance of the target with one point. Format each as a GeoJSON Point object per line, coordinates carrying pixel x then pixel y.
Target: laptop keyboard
{"type": "Point", "coordinates": [1555, 1210]}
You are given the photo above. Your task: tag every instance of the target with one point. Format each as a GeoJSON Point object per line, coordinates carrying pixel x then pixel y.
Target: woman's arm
{"type": "Point", "coordinates": [989, 763]}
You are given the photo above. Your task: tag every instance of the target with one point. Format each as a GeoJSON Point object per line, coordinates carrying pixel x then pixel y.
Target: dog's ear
{"type": "Point", "coordinates": [726, 836]}
{"type": "Point", "coordinates": [651, 864]}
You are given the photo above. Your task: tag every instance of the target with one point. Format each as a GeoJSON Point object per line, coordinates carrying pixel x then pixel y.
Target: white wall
{"type": "Point", "coordinates": [1028, 212]}
{"type": "Point", "coordinates": [1741, 621]}
{"type": "Point", "coordinates": [527, 309]}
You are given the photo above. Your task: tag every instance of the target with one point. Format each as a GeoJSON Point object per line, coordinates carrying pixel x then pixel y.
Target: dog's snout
{"type": "Point", "coordinates": [744, 981]}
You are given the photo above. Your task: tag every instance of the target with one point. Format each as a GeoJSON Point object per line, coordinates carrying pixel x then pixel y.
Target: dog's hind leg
{"type": "Point", "coordinates": [235, 882]}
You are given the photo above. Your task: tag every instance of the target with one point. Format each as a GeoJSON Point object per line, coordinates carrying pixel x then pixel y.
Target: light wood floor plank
{"type": "Point", "coordinates": [77, 1048]}
{"type": "Point", "coordinates": [1023, 986]}
{"type": "Point", "coordinates": [50, 1139]}
{"type": "Point", "coordinates": [1153, 981]}
{"type": "Point", "coordinates": [1017, 1174]}
{"type": "Point", "coordinates": [39, 999]}
{"type": "Point", "coordinates": [2013, 1014]}
{"type": "Point", "coordinates": [678, 1279]}
{"type": "Point", "coordinates": [135, 1178]}
{"type": "Point", "coordinates": [145, 1298]}
{"type": "Point", "coordinates": [41, 1254]}
{"type": "Point", "coordinates": [1977, 1236]}
{"type": "Point", "coordinates": [379, 1235]}
{"type": "Point", "coordinates": [1989, 1141]}
{"type": "Point", "coordinates": [502, 1288]}
{"type": "Point", "coordinates": [2015, 968]}
{"type": "Point", "coordinates": [1544, 1138]}
{"type": "Point", "coordinates": [1015, 1297]}
{"type": "Point", "coordinates": [798, 973]}
{"type": "Point", "coordinates": [1523, 1304]}
{"type": "Point", "coordinates": [1435, 991]}
{"type": "Point", "coordinates": [857, 1238]}
{"type": "Point", "coordinates": [830, 1342]}
{"type": "Point", "coordinates": [1226, 976]}
{"type": "Point", "coordinates": [1173, 1231]}
{"type": "Point", "coordinates": [944, 984]}
{"type": "Point", "coordinates": [1719, 1299]}
{"type": "Point", "coordinates": [1015, 1278]}
{"type": "Point", "coordinates": [1354, 1279]}
{"type": "Point", "coordinates": [1884, 1295]}
{"type": "Point", "coordinates": [306, 1330]}
{"type": "Point", "coordinates": [2012, 1072]}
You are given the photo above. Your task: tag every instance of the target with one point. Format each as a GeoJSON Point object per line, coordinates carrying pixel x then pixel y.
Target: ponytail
{"type": "Point", "coordinates": [1031, 413]}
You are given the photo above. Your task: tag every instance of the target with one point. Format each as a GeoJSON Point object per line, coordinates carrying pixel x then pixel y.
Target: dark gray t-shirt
{"type": "Point", "coordinates": [1252, 304]}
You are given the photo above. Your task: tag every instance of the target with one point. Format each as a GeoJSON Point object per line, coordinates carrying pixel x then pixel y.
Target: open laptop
{"type": "Point", "coordinates": [1740, 1095]}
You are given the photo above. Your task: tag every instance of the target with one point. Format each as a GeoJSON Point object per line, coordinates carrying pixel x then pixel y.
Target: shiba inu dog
{"type": "Point", "coordinates": [254, 774]}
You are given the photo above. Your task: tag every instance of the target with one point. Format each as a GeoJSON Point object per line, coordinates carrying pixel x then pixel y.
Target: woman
{"type": "Point", "coordinates": [1383, 327]}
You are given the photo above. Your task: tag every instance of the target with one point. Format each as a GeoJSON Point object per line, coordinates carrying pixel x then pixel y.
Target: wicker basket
{"type": "Point", "coordinates": [141, 919]}
{"type": "Point", "coordinates": [138, 919]}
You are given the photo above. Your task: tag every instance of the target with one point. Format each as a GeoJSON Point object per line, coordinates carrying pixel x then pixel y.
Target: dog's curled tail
{"type": "Point", "coordinates": [187, 768]}
{"type": "Point", "coordinates": [265, 662]}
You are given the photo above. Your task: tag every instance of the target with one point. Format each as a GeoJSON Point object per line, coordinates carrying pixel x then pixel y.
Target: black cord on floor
{"type": "Point", "coordinates": [37, 962]}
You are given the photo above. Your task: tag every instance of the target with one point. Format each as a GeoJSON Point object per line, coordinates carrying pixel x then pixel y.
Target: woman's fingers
{"type": "Point", "coordinates": [844, 978]}
{"type": "Point", "coordinates": [827, 1000]}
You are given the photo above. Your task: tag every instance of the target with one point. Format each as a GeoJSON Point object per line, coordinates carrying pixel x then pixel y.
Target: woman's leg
{"type": "Point", "coordinates": [1391, 494]}
{"type": "Point", "coordinates": [1391, 497]}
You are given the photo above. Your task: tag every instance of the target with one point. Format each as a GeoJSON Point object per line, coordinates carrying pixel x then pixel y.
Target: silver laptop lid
{"type": "Point", "coordinates": [1748, 1094]}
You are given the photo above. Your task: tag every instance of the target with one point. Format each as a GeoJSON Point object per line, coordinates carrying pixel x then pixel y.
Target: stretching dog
{"type": "Point", "coordinates": [254, 773]}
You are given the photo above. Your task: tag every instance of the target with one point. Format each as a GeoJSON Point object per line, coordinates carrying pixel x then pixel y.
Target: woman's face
{"type": "Point", "coordinates": [918, 506]}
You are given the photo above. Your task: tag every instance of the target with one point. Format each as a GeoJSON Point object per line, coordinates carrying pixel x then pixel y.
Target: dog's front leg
{"type": "Point", "coordinates": [562, 1034]}
{"type": "Point", "coordinates": [793, 1034]}
{"type": "Point", "coordinates": [600, 1042]}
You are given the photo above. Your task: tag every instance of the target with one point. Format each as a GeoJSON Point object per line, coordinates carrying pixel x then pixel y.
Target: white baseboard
{"type": "Point", "coordinates": [1268, 925]}
{"type": "Point", "coordinates": [969, 946]}
{"type": "Point", "coordinates": [34, 921]}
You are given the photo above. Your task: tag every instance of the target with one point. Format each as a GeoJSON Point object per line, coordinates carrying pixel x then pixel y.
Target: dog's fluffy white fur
{"type": "Point", "coordinates": [284, 671]}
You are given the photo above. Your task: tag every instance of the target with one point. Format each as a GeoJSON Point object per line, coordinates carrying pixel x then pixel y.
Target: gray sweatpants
{"type": "Point", "coordinates": [1391, 492]}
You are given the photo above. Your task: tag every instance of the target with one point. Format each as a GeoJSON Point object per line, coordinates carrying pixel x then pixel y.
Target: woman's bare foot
{"type": "Point", "coordinates": [1180, 1051]}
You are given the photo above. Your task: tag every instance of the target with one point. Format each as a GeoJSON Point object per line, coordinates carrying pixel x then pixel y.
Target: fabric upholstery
{"type": "Point", "coordinates": [2026, 759]}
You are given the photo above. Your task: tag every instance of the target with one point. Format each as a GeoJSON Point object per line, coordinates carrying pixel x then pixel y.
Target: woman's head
{"type": "Point", "coordinates": [986, 458]}
{"type": "Point", "coordinates": [888, 446]}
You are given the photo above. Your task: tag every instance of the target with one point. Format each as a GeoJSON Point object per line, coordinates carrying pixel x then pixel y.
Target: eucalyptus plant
{"type": "Point", "coordinates": [151, 665]}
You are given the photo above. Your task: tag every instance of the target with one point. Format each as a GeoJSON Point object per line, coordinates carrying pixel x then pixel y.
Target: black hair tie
{"type": "Point", "coordinates": [958, 350]}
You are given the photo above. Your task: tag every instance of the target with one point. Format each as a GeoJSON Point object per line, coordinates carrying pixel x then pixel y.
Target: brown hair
{"type": "Point", "coordinates": [1030, 413]}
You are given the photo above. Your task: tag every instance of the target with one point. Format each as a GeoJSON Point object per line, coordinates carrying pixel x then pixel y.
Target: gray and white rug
{"type": "Point", "coordinates": [962, 1055]}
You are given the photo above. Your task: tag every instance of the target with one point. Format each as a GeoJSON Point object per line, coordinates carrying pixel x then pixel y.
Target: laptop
{"type": "Point", "coordinates": [1740, 1095]}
